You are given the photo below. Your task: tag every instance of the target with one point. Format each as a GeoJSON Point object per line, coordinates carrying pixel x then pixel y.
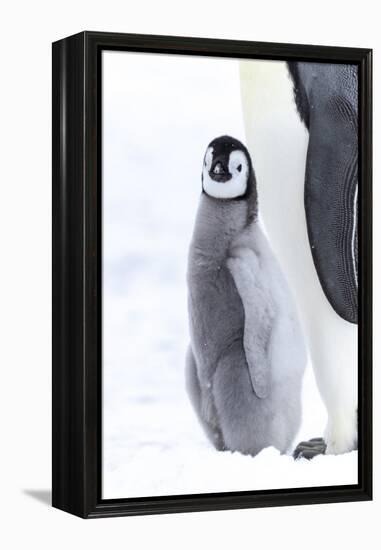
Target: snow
{"type": "Point", "coordinates": [154, 145]}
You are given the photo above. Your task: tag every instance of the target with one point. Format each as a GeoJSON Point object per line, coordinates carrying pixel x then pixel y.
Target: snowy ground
{"type": "Point", "coordinates": [153, 149]}
{"type": "Point", "coordinates": [154, 446]}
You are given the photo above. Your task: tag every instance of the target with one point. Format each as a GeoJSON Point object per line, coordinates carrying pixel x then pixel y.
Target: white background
{"type": "Point", "coordinates": [27, 29]}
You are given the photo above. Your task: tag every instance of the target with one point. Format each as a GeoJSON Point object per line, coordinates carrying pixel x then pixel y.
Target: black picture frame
{"type": "Point", "coordinates": [77, 274]}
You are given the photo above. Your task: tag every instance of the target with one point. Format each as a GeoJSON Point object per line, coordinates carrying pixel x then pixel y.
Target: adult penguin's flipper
{"type": "Point", "coordinates": [331, 213]}
{"type": "Point", "coordinates": [326, 98]}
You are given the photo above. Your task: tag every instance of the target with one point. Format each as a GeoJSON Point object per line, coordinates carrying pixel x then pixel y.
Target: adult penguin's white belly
{"type": "Point", "coordinates": [277, 141]}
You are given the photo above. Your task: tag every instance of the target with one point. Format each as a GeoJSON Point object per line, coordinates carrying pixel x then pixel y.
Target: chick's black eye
{"type": "Point", "coordinates": [239, 167]}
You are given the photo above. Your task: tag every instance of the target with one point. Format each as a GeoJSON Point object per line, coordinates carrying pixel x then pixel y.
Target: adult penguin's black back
{"type": "Point", "coordinates": [326, 98]}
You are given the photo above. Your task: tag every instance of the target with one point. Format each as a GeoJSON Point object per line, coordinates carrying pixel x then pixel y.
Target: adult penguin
{"type": "Point", "coordinates": [247, 357]}
{"type": "Point", "coordinates": [306, 163]}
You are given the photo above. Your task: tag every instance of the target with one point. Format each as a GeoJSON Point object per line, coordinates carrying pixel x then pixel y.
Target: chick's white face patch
{"type": "Point", "coordinates": [208, 159]}
{"type": "Point", "coordinates": [236, 185]}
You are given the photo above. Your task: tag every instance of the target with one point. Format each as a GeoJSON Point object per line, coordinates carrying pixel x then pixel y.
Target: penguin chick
{"type": "Point", "coordinates": [246, 358]}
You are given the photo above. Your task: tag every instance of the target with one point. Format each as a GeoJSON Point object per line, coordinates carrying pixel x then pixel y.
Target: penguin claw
{"type": "Point", "coordinates": [310, 449]}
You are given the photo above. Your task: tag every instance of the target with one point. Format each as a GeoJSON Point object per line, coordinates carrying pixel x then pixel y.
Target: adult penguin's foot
{"type": "Point", "coordinates": [311, 448]}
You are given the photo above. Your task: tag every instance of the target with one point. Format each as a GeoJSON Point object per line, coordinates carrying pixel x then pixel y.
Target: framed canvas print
{"type": "Point", "coordinates": [211, 274]}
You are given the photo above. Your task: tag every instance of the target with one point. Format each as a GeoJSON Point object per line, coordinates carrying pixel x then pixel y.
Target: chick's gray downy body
{"type": "Point", "coordinates": [247, 357]}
